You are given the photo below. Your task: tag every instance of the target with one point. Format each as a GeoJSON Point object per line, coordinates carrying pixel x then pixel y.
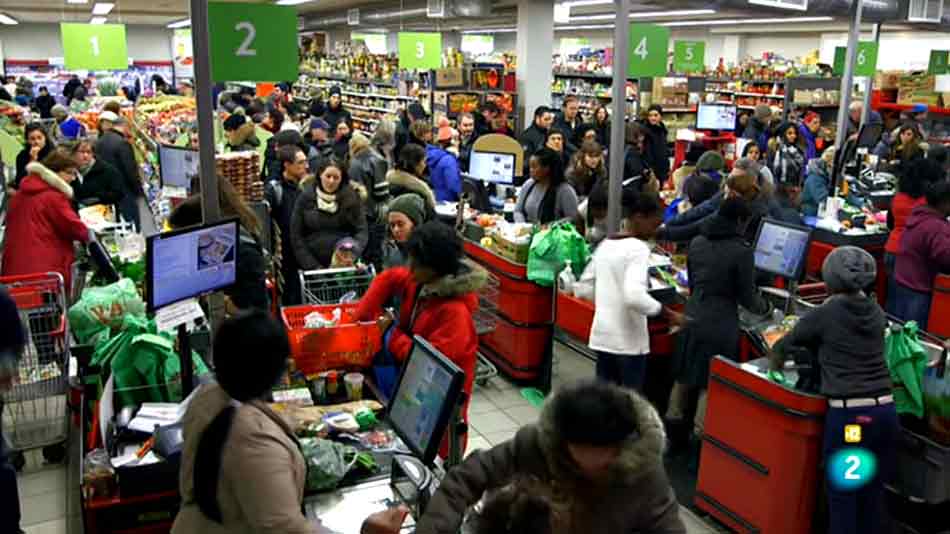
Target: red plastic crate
{"type": "Point", "coordinates": [517, 351]}
{"type": "Point", "coordinates": [349, 345]}
{"type": "Point", "coordinates": [525, 302]}
{"type": "Point", "coordinates": [574, 316]}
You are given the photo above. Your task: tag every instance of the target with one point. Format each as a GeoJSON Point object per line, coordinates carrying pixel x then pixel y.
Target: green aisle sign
{"type": "Point", "coordinates": [938, 62]}
{"type": "Point", "coordinates": [689, 56]}
{"type": "Point", "coordinates": [420, 50]}
{"type": "Point", "coordinates": [94, 46]}
{"type": "Point", "coordinates": [252, 42]}
{"type": "Point", "coordinates": [649, 48]}
{"type": "Point", "coordinates": [865, 62]}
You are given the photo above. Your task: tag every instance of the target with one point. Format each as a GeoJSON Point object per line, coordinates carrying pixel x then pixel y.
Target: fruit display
{"type": "Point", "coordinates": [166, 118]}
{"type": "Point", "coordinates": [13, 119]}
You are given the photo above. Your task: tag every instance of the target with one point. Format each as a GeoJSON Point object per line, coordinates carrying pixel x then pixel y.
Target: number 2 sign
{"type": "Point", "coordinates": [420, 50]}
{"type": "Point", "coordinates": [649, 50]}
{"type": "Point", "coordinates": [252, 42]}
{"type": "Point", "coordinates": [94, 46]}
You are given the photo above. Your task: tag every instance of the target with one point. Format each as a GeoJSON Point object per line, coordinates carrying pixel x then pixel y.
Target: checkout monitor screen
{"type": "Point", "coordinates": [178, 165]}
{"type": "Point", "coordinates": [781, 248]}
{"type": "Point", "coordinates": [425, 399]}
{"type": "Point", "coordinates": [191, 262]}
{"type": "Point", "coordinates": [716, 117]}
{"type": "Point", "coordinates": [495, 167]}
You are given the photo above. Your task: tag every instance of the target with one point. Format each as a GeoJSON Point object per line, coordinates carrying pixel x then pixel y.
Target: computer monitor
{"type": "Point", "coordinates": [495, 167]}
{"type": "Point", "coordinates": [425, 399]}
{"type": "Point", "coordinates": [177, 165]}
{"type": "Point", "coordinates": [190, 262]}
{"type": "Point", "coordinates": [781, 249]}
{"type": "Point", "coordinates": [716, 117]}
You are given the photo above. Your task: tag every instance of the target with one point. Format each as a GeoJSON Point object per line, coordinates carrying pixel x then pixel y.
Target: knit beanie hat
{"type": "Point", "coordinates": [335, 90]}
{"type": "Point", "coordinates": [445, 131]}
{"type": "Point", "coordinates": [411, 205]}
{"type": "Point", "coordinates": [849, 269]}
{"type": "Point", "coordinates": [319, 124]}
{"type": "Point", "coordinates": [763, 112]}
{"type": "Point", "coordinates": [711, 160]}
{"type": "Point", "coordinates": [71, 128]}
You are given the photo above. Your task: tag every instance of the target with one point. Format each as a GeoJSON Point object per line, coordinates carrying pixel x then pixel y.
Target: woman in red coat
{"type": "Point", "coordinates": [438, 297]}
{"type": "Point", "coordinates": [41, 223]}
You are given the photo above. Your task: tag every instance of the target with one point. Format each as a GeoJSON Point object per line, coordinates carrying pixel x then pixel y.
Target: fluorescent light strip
{"type": "Point", "coordinates": [7, 20]}
{"type": "Point", "coordinates": [77, 1]}
{"type": "Point", "coordinates": [98, 20]}
{"type": "Point", "coordinates": [489, 30]}
{"type": "Point", "coordinates": [179, 24]}
{"type": "Point", "coordinates": [291, 2]}
{"type": "Point", "coordinates": [647, 14]}
{"type": "Point", "coordinates": [393, 14]}
{"type": "Point", "coordinates": [102, 8]}
{"type": "Point", "coordinates": [581, 3]}
{"type": "Point", "coordinates": [713, 22]}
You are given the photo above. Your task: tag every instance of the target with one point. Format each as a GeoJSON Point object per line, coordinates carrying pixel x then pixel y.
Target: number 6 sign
{"type": "Point", "coordinates": [252, 42]}
{"type": "Point", "coordinates": [649, 50]}
{"type": "Point", "coordinates": [94, 46]}
{"type": "Point", "coordinates": [420, 50]}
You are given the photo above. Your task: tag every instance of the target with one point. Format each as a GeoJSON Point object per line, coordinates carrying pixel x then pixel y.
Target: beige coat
{"type": "Point", "coordinates": [262, 471]}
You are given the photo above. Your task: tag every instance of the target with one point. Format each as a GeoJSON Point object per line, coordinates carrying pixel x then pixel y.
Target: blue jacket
{"type": "Point", "coordinates": [443, 174]}
{"type": "Point", "coordinates": [817, 185]}
{"type": "Point", "coordinates": [811, 151]}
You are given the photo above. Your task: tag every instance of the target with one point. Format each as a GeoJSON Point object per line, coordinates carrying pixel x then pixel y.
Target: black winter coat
{"type": "Point", "coordinates": [369, 169]}
{"type": "Point", "coordinates": [532, 140]}
{"type": "Point", "coordinates": [334, 116]}
{"type": "Point", "coordinates": [656, 153]}
{"type": "Point", "coordinates": [721, 278]}
{"type": "Point", "coordinates": [249, 289]}
{"type": "Point", "coordinates": [115, 150]}
{"type": "Point", "coordinates": [102, 182]}
{"type": "Point", "coordinates": [314, 232]}
{"type": "Point", "coordinates": [44, 104]}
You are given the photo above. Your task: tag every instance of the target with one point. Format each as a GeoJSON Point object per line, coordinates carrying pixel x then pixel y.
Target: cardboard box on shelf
{"type": "Point", "coordinates": [916, 82]}
{"type": "Point", "coordinates": [887, 79]}
{"type": "Point", "coordinates": [909, 98]}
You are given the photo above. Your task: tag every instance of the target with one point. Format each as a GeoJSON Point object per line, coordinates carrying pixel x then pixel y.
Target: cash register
{"type": "Point", "coordinates": [423, 409]}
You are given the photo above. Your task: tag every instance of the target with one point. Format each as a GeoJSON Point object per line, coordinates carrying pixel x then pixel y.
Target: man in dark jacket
{"type": "Point", "coordinates": [758, 127]}
{"type": "Point", "coordinates": [532, 139]}
{"type": "Point", "coordinates": [73, 84]}
{"type": "Point", "coordinates": [467, 137]}
{"type": "Point", "coordinates": [44, 103]}
{"type": "Point", "coordinates": [12, 341]}
{"type": "Point", "coordinates": [335, 110]}
{"type": "Point", "coordinates": [114, 149]}
{"type": "Point", "coordinates": [414, 112]}
{"type": "Point", "coordinates": [656, 149]}
{"type": "Point", "coordinates": [318, 137]}
{"type": "Point", "coordinates": [568, 122]}
{"type": "Point", "coordinates": [281, 194]}
{"type": "Point", "coordinates": [485, 119]}
{"type": "Point", "coordinates": [601, 446]}
{"type": "Point", "coordinates": [272, 165]}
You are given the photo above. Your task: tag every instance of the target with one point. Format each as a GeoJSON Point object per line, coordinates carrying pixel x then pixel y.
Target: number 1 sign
{"type": "Point", "coordinates": [94, 46]}
{"type": "Point", "coordinates": [649, 50]}
{"type": "Point", "coordinates": [252, 42]}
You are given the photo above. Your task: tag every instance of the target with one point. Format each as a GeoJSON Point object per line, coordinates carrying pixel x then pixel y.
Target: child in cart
{"type": "Point", "coordinates": [346, 254]}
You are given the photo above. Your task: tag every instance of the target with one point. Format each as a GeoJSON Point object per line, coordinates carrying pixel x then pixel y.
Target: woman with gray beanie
{"type": "Point", "coordinates": [847, 333]}
{"type": "Point", "coordinates": [406, 213]}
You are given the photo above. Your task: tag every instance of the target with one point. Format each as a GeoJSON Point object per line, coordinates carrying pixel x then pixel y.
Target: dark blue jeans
{"type": "Point", "coordinates": [9, 496]}
{"type": "Point", "coordinates": [627, 370]}
{"type": "Point", "coordinates": [910, 305]}
{"type": "Point", "coordinates": [862, 511]}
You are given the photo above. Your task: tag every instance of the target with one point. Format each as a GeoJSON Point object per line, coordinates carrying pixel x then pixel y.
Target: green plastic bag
{"type": "Point", "coordinates": [102, 309]}
{"type": "Point", "coordinates": [552, 248]}
{"type": "Point", "coordinates": [906, 360]}
{"type": "Point", "coordinates": [327, 462]}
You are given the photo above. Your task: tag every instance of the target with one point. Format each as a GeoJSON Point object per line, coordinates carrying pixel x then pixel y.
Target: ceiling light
{"type": "Point", "coordinates": [98, 20]}
{"type": "Point", "coordinates": [291, 2]}
{"type": "Point", "coordinates": [580, 3]}
{"type": "Point", "coordinates": [392, 14]}
{"type": "Point", "coordinates": [77, 1]}
{"type": "Point", "coordinates": [179, 24]}
{"type": "Point", "coordinates": [584, 27]}
{"type": "Point", "coordinates": [489, 30]}
{"type": "Point", "coordinates": [647, 14]}
{"type": "Point", "coordinates": [730, 22]}
{"type": "Point", "coordinates": [102, 8]}
{"type": "Point", "coordinates": [7, 19]}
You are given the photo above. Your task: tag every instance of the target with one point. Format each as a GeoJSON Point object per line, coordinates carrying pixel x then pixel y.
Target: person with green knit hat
{"type": "Point", "coordinates": [406, 213]}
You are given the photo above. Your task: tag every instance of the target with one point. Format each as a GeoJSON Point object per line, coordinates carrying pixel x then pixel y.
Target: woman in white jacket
{"type": "Point", "coordinates": [622, 302]}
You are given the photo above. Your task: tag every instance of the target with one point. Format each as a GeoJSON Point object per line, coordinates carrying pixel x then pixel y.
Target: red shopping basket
{"type": "Point", "coordinates": [349, 345]}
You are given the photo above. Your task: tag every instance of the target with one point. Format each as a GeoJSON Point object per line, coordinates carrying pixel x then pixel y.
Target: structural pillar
{"type": "Point", "coordinates": [847, 79]}
{"type": "Point", "coordinates": [534, 49]}
{"type": "Point", "coordinates": [869, 86]}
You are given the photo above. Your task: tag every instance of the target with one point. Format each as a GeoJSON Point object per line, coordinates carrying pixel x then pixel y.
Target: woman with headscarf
{"type": "Point", "coordinates": [847, 334]}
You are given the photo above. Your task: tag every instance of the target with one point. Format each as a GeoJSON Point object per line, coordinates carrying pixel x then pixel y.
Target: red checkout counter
{"type": "Point", "coordinates": [521, 342]}
{"type": "Point", "coordinates": [939, 321]}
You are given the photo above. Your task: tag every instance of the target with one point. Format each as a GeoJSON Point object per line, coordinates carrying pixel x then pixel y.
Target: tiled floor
{"type": "Point", "coordinates": [49, 495]}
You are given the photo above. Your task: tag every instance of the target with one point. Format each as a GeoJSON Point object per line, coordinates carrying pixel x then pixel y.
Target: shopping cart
{"type": "Point", "coordinates": [486, 318]}
{"type": "Point", "coordinates": [35, 410]}
{"type": "Point", "coordinates": [334, 286]}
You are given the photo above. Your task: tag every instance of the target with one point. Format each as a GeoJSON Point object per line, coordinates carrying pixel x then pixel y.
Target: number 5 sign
{"type": "Point", "coordinates": [688, 56]}
{"type": "Point", "coordinates": [252, 42]}
{"type": "Point", "coordinates": [94, 46]}
{"type": "Point", "coordinates": [420, 50]}
{"type": "Point", "coordinates": [649, 49]}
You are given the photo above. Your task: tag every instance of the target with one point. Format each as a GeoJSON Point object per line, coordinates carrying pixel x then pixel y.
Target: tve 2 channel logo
{"type": "Point", "coordinates": [851, 468]}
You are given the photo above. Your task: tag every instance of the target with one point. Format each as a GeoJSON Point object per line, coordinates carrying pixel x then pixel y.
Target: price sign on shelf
{"type": "Point", "coordinates": [252, 42]}
{"type": "Point", "coordinates": [94, 46]}
{"type": "Point", "coordinates": [689, 56]}
{"type": "Point", "coordinates": [420, 50]}
{"type": "Point", "coordinates": [649, 50]}
{"type": "Point", "coordinates": [865, 62]}
{"type": "Point", "coordinates": [938, 62]}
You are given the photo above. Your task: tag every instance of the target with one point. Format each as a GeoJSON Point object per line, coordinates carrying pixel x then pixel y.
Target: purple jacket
{"type": "Point", "coordinates": [925, 249]}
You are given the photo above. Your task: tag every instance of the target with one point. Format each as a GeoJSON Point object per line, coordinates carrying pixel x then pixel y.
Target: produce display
{"type": "Point", "coordinates": [166, 118]}
{"type": "Point", "coordinates": [13, 119]}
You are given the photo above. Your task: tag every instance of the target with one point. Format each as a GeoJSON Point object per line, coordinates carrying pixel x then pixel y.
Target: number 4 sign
{"type": "Point", "coordinates": [649, 49]}
{"type": "Point", "coordinates": [94, 46]}
{"type": "Point", "coordinates": [420, 50]}
{"type": "Point", "coordinates": [252, 42]}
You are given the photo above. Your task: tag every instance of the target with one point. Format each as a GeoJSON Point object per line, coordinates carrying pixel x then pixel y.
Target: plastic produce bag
{"type": "Point", "coordinates": [327, 462]}
{"type": "Point", "coordinates": [101, 309]}
{"type": "Point", "coordinates": [906, 359]}
{"type": "Point", "coordinates": [550, 250]}
{"type": "Point", "coordinates": [936, 390]}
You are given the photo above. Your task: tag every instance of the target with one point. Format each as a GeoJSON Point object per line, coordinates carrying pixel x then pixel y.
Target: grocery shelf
{"type": "Point", "coordinates": [780, 97]}
{"type": "Point", "coordinates": [906, 107]}
{"type": "Point", "coordinates": [711, 80]}
{"type": "Point", "coordinates": [368, 108]}
{"type": "Point", "coordinates": [587, 75]}
{"type": "Point", "coordinates": [378, 95]}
